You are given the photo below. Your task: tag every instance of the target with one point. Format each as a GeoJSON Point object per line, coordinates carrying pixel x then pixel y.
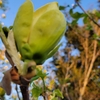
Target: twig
{"type": "Point", "coordinates": [87, 14]}
{"type": "Point", "coordinates": [17, 92]}
{"type": "Point", "coordinates": [64, 87]}
{"type": "Point", "coordinates": [67, 94]}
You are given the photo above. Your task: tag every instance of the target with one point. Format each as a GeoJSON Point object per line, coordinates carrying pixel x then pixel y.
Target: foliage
{"type": "Point", "coordinates": [39, 86]}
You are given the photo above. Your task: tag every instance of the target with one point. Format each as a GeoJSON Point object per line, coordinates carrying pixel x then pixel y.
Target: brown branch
{"type": "Point", "coordinates": [16, 78]}
{"type": "Point", "coordinates": [17, 92]}
{"type": "Point", "coordinates": [87, 14]}
{"type": "Point", "coordinates": [24, 91]}
{"type": "Point", "coordinates": [64, 89]}
{"type": "Point", "coordinates": [86, 54]}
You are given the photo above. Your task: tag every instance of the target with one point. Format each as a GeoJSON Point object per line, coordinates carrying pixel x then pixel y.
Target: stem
{"type": "Point", "coordinates": [87, 14]}
{"type": "Point", "coordinates": [24, 91]}
{"type": "Point", "coordinates": [44, 85]}
{"type": "Point", "coordinates": [44, 91]}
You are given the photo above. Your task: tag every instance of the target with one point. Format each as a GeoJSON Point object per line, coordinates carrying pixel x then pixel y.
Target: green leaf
{"type": "Point", "coordinates": [97, 13]}
{"type": "Point", "coordinates": [76, 15]}
{"type": "Point", "coordinates": [95, 36]}
{"type": "Point", "coordinates": [6, 31]}
{"type": "Point", "coordinates": [34, 78]}
{"type": "Point", "coordinates": [54, 98]}
{"type": "Point", "coordinates": [2, 92]}
{"type": "Point", "coordinates": [58, 93]}
{"type": "Point", "coordinates": [85, 19]}
{"type": "Point", "coordinates": [89, 27]}
{"type": "Point", "coordinates": [41, 74]}
{"type": "Point", "coordinates": [36, 91]}
{"type": "Point", "coordinates": [62, 7]}
{"type": "Point", "coordinates": [99, 42]}
{"type": "Point", "coordinates": [71, 12]}
{"type": "Point", "coordinates": [74, 22]}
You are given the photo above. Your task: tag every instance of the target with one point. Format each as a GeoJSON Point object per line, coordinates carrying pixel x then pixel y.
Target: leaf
{"type": "Point", "coordinates": [2, 92]}
{"type": "Point", "coordinates": [74, 22]}
{"type": "Point", "coordinates": [5, 30]}
{"type": "Point", "coordinates": [6, 82]}
{"type": "Point", "coordinates": [85, 19]}
{"type": "Point", "coordinates": [99, 42]}
{"type": "Point", "coordinates": [41, 74]}
{"type": "Point", "coordinates": [58, 93]}
{"type": "Point", "coordinates": [54, 98]}
{"type": "Point", "coordinates": [34, 78]}
{"type": "Point", "coordinates": [36, 91]}
{"type": "Point", "coordinates": [95, 36]}
{"type": "Point", "coordinates": [13, 48]}
{"type": "Point", "coordinates": [62, 7]}
{"type": "Point", "coordinates": [76, 15]}
{"type": "Point", "coordinates": [89, 27]}
{"type": "Point", "coordinates": [97, 13]}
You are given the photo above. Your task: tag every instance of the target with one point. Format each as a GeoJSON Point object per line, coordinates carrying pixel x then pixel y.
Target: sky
{"type": "Point", "coordinates": [15, 4]}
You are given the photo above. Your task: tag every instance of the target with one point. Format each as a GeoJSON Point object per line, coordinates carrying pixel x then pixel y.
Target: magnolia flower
{"type": "Point", "coordinates": [37, 33]}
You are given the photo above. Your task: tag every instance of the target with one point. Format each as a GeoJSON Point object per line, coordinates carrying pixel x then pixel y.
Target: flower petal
{"type": "Point", "coordinates": [47, 32]}
{"type": "Point", "coordinates": [51, 53]}
{"type": "Point", "coordinates": [22, 24]}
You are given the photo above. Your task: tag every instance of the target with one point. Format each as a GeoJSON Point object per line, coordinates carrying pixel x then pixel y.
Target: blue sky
{"type": "Point", "coordinates": [15, 4]}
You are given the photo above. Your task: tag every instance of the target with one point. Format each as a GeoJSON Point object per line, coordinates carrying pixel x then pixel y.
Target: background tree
{"type": "Point", "coordinates": [79, 75]}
